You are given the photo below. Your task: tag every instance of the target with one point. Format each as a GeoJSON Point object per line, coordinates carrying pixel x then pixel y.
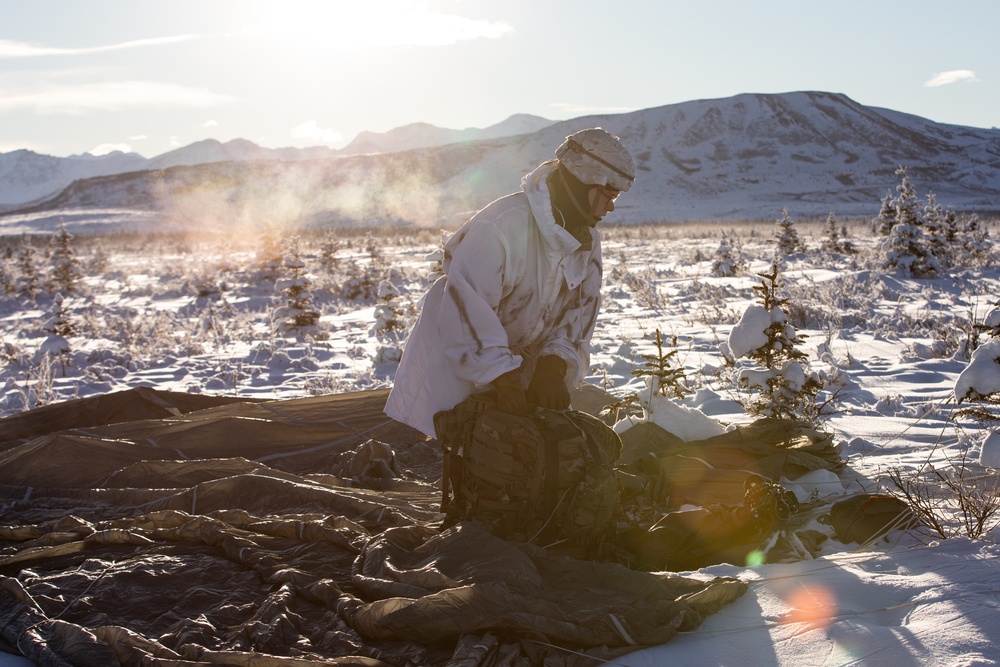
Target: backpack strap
{"type": "Point", "coordinates": [454, 433]}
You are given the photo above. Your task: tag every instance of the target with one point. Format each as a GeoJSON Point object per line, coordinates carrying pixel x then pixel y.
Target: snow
{"type": "Point", "coordinates": [982, 376]}
{"type": "Point", "coordinates": [892, 347]}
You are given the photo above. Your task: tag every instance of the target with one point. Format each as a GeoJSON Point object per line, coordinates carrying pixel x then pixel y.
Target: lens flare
{"type": "Point", "coordinates": [815, 605]}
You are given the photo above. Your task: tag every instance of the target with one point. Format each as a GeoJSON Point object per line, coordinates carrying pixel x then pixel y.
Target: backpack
{"type": "Point", "coordinates": [868, 516]}
{"type": "Point", "coordinates": [694, 537]}
{"type": "Point", "coordinates": [546, 478]}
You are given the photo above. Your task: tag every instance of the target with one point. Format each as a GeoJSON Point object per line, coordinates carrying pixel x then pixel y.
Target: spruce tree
{"type": "Point", "coordinates": [389, 317]}
{"type": "Point", "coordinates": [831, 235]}
{"type": "Point", "coordinates": [907, 247]}
{"type": "Point", "coordinates": [907, 203]}
{"type": "Point", "coordinates": [934, 228]}
{"type": "Point", "coordinates": [296, 315]}
{"type": "Point", "coordinates": [65, 273]}
{"type": "Point", "coordinates": [58, 327]}
{"type": "Point", "coordinates": [886, 218]}
{"type": "Point", "coordinates": [788, 238]}
{"type": "Point", "coordinates": [665, 378]}
{"type": "Point", "coordinates": [28, 282]}
{"type": "Point", "coordinates": [784, 386]}
{"type": "Point", "coordinates": [725, 263]}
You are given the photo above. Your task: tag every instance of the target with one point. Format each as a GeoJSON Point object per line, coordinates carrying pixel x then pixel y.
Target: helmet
{"type": "Point", "coordinates": [597, 158]}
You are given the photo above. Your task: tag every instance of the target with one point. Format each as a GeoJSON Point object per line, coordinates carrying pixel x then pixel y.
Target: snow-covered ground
{"type": "Point", "coordinates": [196, 315]}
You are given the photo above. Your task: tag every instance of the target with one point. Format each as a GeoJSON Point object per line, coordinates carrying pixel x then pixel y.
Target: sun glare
{"type": "Point", "coordinates": [335, 25]}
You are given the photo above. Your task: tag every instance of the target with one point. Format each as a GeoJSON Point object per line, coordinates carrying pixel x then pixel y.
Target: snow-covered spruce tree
{"type": "Point", "coordinates": [883, 223]}
{"type": "Point", "coordinates": [58, 327]}
{"type": "Point", "coordinates": [907, 247]}
{"type": "Point", "coordinates": [6, 274]}
{"type": "Point", "coordinates": [726, 261]}
{"type": "Point", "coordinates": [29, 281]}
{"type": "Point", "coordinates": [362, 282]}
{"type": "Point", "coordinates": [436, 258]}
{"type": "Point", "coordinates": [389, 326]}
{"type": "Point", "coordinates": [65, 272]}
{"type": "Point", "coordinates": [975, 246]}
{"type": "Point", "coordinates": [296, 315]}
{"type": "Point", "coordinates": [328, 250]}
{"type": "Point", "coordinates": [933, 222]}
{"type": "Point", "coordinates": [788, 242]}
{"type": "Point", "coordinates": [980, 383]}
{"type": "Point", "coordinates": [785, 388]}
{"type": "Point", "coordinates": [907, 203]}
{"type": "Point", "coordinates": [389, 316]}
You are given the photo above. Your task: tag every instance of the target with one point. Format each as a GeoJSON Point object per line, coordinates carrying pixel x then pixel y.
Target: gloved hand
{"type": "Point", "coordinates": [510, 395]}
{"type": "Point", "coordinates": [548, 386]}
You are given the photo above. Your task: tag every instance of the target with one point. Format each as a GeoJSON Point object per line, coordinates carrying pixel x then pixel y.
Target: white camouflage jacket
{"type": "Point", "coordinates": [517, 286]}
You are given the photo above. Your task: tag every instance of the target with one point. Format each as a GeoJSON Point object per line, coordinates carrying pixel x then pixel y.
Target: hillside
{"type": "Point", "coordinates": [743, 157]}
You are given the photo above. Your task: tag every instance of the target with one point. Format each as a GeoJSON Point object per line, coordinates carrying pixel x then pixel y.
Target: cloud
{"type": "Point", "coordinates": [310, 131]}
{"type": "Point", "coordinates": [10, 49]}
{"type": "Point", "coordinates": [209, 123]}
{"type": "Point", "coordinates": [953, 76]}
{"type": "Point", "coordinates": [110, 96]}
{"type": "Point", "coordinates": [104, 149]}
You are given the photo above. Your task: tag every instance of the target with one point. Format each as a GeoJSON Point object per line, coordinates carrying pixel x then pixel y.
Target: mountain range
{"type": "Point", "coordinates": [745, 157]}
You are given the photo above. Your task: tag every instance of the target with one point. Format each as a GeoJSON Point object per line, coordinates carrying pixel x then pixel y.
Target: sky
{"type": "Point", "coordinates": [149, 77]}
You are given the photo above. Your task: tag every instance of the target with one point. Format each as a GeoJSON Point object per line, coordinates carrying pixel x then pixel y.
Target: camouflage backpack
{"type": "Point", "coordinates": [546, 478]}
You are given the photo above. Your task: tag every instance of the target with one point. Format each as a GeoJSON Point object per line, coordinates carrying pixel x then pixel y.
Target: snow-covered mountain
{"type": "Point", "coordinates": [743, 157]}
{"type": "Point", "coordinates": [423, 135]}
{"type": "Point", "coordinates": [26, 176]}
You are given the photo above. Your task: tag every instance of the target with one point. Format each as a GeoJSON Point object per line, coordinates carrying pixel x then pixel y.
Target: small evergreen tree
{"type": "Point", "coordinates": [907, 247]}
{"type": "Point", "coordinates": [785, 387]}
{"type": "Point", "coordinates": [436, 258]}
{"type": "Point", "coordinates": [6, 275]}
{"type": "Point", "coordinates": [665, 378]}
{"type": "Point", "coordinates": [389, 326]}
{"type": "Point", "coordinates": [270, 255]}
{"type": "Point", "coordinates": [726, 262]}
{"type": "Point", "coordinates": [296, 315]}
{"type": "Point", "coordinates": [934, 228]}
{"type": "Point", "coordinates": [59, 322]}
{"type": "Point", "coordinates": [976, 244]}
{"type": "Point", "coordinates": [65, 272]}
{"type": "Point", "coordinates": [949, 224]}
{"type": "Point", "coordinates": [58, 327]}
{"type": "Point", "coordinates": [907, 203]}
{"type": "Point", "coordinates": [28, 282]}
{"type": "Point", "coordinates": [886, 218]}
{"type": "Point", "coordinates": [328, 255]}
{"type": "Point", "coordinates": [98, 262]}
{"type": "Point", "coordinates": [787, 238]}
{"type": "Point", "coordinates": [389, 317]}
{"type": "Point", "coordinates": [831, 235]}
{"type": "Point", "coordinates": [360, 283]}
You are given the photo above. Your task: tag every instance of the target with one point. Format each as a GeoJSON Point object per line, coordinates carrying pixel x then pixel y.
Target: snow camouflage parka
{"type": "Point", "coordinates": [517, 286]}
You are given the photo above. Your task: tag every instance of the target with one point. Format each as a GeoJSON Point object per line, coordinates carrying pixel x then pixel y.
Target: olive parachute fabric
{"type": "Point", "coordinates": [163, 529]}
